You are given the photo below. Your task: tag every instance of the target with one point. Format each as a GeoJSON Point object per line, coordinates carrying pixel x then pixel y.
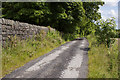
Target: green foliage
{"type": "Point", "coordinates": [67, 17]}
{"type": "Point", "coordinates": [118, 33]}
{"type": "Point", "coordinates": [30, 12]}
{"type": "Point", "coordinates": [91, 10]}
{"type": "Point", "coordinates": [105, 31]}
{"type": "Point", "coordinates": [73, 20]}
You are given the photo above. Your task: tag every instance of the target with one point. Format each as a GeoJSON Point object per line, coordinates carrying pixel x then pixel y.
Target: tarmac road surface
{"type": "Point", "coordinates": [70, 60]}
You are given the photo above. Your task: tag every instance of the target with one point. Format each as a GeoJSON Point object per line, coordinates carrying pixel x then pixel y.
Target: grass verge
{"type": "Point", "coordinates": [18, 52]}
{"type": "Point", "coordinates": [103, 61]}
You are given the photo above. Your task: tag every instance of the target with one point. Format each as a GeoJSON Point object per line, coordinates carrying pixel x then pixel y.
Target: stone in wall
{"type": "Point", "coordinates": [23, 30]}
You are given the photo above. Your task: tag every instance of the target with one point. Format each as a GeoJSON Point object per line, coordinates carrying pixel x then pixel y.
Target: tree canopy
{"type": "Point", "coordinates": [67, 17]}
{"type": "Point", "coordinates": [105, 31]}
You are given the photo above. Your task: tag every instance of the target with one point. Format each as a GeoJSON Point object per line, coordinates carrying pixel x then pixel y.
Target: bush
{"type": "Point", "coordinates": [105, 32]}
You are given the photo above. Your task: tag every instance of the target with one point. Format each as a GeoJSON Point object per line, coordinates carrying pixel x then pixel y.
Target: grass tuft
{"type": "Point", "coordinates": [103, 61]}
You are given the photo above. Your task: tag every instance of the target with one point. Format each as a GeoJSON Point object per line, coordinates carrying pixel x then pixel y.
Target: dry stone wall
{"type": "Point", "coordinates": [20, 29]}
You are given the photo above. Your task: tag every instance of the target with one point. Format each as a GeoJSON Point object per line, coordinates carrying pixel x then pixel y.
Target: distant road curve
{"type": "Point", "coordinates": [67, 61]}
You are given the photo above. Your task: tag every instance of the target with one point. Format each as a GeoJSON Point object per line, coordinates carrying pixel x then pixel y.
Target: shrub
{"type": "Point", "coordinates": [105, 32]}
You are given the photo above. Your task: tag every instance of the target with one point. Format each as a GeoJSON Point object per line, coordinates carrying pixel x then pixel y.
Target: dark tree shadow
{"type": "Point", "coordinates": [85, 49]}
{"type": "Point", "coordinates": [79, 39]}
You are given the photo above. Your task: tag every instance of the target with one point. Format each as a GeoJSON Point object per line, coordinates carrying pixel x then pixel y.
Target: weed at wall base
{"type": "Point", "coordinates": [18, 52]}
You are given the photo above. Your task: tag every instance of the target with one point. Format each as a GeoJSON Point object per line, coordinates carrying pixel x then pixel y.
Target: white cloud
{"type": "Point", "coordinates": [109, 13]}
{"type": "Point", "coordinates": [110, 9]}
{"type": "Point", "coordinates": [112, 13]}
{"type": "Point", "coordinates": [111, 2]}
{"type": "Point", "coordinates": [100, 11]}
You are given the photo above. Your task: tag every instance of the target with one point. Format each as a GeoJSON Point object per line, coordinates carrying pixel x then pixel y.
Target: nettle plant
{"type": "Point", "coordinates": [105, 31]}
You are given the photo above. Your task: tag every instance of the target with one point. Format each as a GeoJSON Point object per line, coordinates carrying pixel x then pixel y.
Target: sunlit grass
{"type": "Point", "coordinates": [18, 52]}
{"type": "Point", "coordinates": [103, 61]}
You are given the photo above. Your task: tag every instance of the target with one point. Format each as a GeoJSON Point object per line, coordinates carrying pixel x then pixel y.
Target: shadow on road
{"type": "Point", "coordinates": [80, 38]}
{"type": "Point", "coordinates": [85, 49]}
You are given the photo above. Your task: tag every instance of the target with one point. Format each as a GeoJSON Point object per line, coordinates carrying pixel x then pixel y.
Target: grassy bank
{"type": "Point", "coordinates": [103, 61]}
{"type": "Point", "coordinates": [18, 52]}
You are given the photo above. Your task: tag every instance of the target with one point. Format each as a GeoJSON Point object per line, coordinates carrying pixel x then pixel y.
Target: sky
{"type": "Point", "coordinates": [110, 9]}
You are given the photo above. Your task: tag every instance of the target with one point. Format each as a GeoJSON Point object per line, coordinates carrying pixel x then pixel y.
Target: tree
{"type": "Point", "coordinates": [91, 10]}
{"type": "Point", "coordinates": [92, 15]}
{"type": "Point", "coordinates": [67, 17]}
{"type": "Point", "coordinates": [30, 12]}
{"type": "Point", "coordinates": [105, 31]}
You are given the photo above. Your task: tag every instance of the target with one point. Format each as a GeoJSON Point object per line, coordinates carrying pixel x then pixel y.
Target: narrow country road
{"type": "Point", "coordinates": [67, 61]}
